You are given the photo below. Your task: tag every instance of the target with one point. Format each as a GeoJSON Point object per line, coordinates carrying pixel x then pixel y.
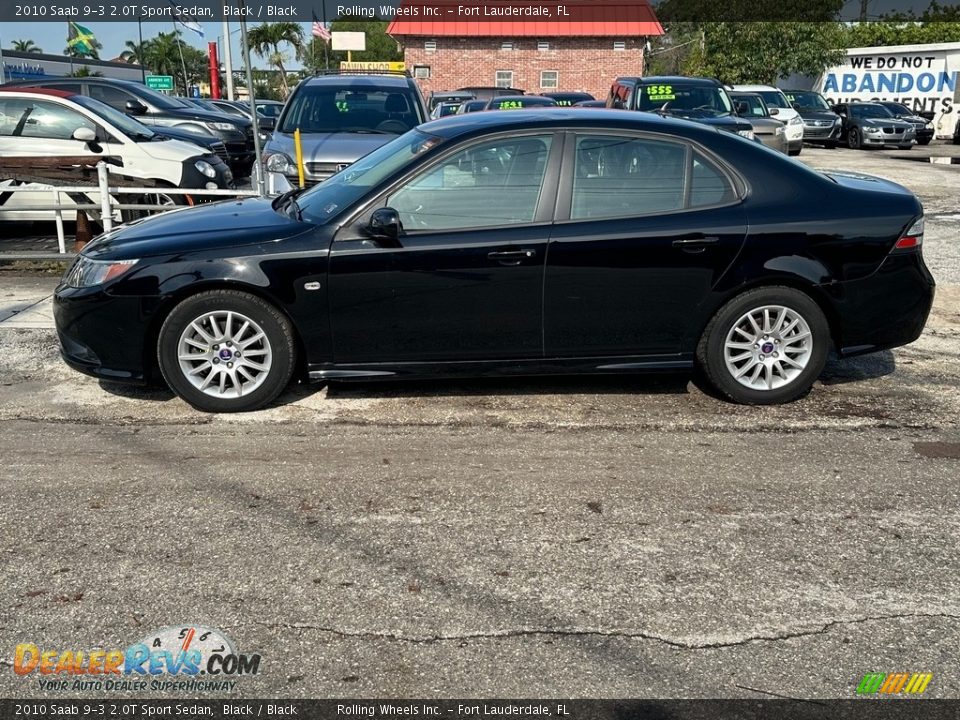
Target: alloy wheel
{"type": "Point", "coordinates": [768, 347]}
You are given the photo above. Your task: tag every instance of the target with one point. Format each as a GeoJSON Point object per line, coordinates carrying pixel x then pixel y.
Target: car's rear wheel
{"type": "Point", "coordinates": [854, 140]}
{"type": "Point", "coordinates": [765, 347]}
{"type": "Point", "coordinates": [226, 351]}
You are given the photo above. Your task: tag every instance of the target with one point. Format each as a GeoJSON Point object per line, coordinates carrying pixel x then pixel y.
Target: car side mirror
{"type": "Point", "coordinates": [385, 224]}
{"type": "Point", "coordinates": [84, 134]}
{"type": "Point", "coordinates": [266, 124]}
{"type": "Point", "coordinates": [773, 111]}
{"type": "Point", "coordinates": [795, 106]}
{"type": "Point", "coordinates": [135, 108]}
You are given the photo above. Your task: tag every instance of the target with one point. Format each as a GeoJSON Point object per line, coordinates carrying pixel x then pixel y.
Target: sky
{"type": "Point", "coordinates": [52, 36]}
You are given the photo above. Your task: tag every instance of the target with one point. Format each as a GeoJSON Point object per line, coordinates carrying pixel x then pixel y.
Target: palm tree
{"type": "Point", "coordinates": [135, 52]}
{"type": "Point", "coordinates": [27, 46]}
{"type": "Point", "coordinates": [265, 40]}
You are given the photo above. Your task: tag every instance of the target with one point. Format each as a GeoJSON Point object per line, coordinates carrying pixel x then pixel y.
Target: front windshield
{"type": "Point", "coordinates": [754, 105]}
{"type": "Point", "coordinates": [809, 101]}
{"type": "Point", "coordinates": [356, 108]}
{"type": "Point", "coordinates": [870, 111]}
{"type": "Point", "coordinates": [685, 99]}
{"type": "Point", "coordinates": [898, 108]}
{"type": "Point", "coordinates": [123, 122]}
{"type": "Point", "coordinates": [325, 200]}
{"type": "Point", "coordinates": [774, 98]}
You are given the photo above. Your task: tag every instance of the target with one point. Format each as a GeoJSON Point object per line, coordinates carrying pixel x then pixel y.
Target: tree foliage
{"type": "Point", "coordinates": [267, 41]}
{"type": "Point", "coordinates": [27, 46]}
{"type": "Point", "coordinates": [380, 46]}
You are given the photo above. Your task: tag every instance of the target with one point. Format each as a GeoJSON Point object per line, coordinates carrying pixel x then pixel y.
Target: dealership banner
{"type": "Point", "coordinates": [922, 77]}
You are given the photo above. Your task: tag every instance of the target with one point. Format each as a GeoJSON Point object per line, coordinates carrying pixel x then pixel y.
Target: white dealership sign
{"type": "Point", "coordinates": [922, 77]}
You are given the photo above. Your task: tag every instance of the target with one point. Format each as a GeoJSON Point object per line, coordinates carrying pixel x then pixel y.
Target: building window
{"type": "Point", "coordinates": [506, 46]}
{"type": "Point", "coordinates": [504, 78]}
{"type": "Point", "coordinates": [619, 45]}
{"type": "Point", "coordinates": [421, 72]}
{"type": "Point", "coordinates": [543, 45]}
{"type": "Point", "coordinates": [430, 46]}
{"type": "Point", "coordinates": [549, 79]}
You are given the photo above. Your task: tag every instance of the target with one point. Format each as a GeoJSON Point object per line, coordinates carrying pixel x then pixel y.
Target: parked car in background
{"type": "Point", "coordinates": [238, 109]}
{"type": "Point", "coordinates": [568, 99]}
{"type": "Point", "coordinates": [821, 125]}
{"type": "Point", "coordinates": [776, 100]}
{"type": "Point", "coordinates": [209, 143]}
{"type": "Point", "coordinates": [444, 109]}
{"type": "Point", "coordinates": [591, 104]}
{"type": "Point", "coordinates": [486, 92]}
{"type": "Point", "coordinates": [453, 97]}
{"type": "Point", "coordinates": [470, 106]}
{"type": "Point", "coordinates": [267, 109]}
{"type": "Point", "coordinates": [43, 122]}
{"type": "Point", "coordinates": [511, 243]}
{"type": "Point", "coordinates": [703, 100]}
{"type": "Point", "coordinates": [923, 127]}
{"type": "Point", "coordinates": [768, 130]}
{"type": "Point", "coordinates": [872, 125]}
{"type": "Point", "coordinates": [156, 109]}
{"type": "Point", "coordinates": [519, 102]}
{"type": "Point", "coordinates": [340, 118]}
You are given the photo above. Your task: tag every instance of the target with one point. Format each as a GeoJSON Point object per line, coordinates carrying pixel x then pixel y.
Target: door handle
{"type": "Point", "coordinates": [511, 257]}
{"type": "Point", "coordinates": [695, 244]}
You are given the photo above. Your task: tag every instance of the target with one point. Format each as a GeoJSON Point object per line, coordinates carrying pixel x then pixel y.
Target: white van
{"type": "Point", "coordinates": [38, 122]}
{"type": "Point", "coordinates": [776, 100]}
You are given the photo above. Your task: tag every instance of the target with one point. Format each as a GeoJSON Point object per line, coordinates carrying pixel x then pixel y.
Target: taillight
{"type": "Point", "coordinates": [912, 238]}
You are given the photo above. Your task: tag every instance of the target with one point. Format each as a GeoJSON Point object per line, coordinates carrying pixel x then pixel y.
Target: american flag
{"type": "Point", "coordinates": [320, 30]}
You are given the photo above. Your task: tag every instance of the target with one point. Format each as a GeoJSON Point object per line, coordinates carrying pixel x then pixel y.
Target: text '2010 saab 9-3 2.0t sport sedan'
{"type": "Point", "coordinates": [505, 243]}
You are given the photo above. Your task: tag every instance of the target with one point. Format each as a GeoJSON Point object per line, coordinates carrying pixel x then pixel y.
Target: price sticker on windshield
{"type": "Point", "coordinates": [660, 92]}
{"type": "Point", "coordinates": [510, 105]}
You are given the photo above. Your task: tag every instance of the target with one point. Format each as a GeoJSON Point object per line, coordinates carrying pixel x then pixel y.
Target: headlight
{"type": "Point", "coordinates": [87, 272]}
{"type": "Point", "coordinates": [795, 120]}
{"type": "Point", "coordinates": [205, 168]}
{"type": "Point", "coordinates": [782, 130]}
{"type": "Point", "coordinates": [280, 163]}
{"type": "Point", "coordinates": [222, 126]}
{"type": "Point", "coordinates": [838, 121]}
{"type": "Point", "coordinates": [748, 134]}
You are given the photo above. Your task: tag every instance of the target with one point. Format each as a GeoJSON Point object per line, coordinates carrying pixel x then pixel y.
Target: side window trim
{"type": "Point", "coordinates": [564, 203]}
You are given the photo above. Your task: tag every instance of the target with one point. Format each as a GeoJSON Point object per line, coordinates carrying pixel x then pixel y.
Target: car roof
{"type": "Point", "coordinates": [670, 79]}
{"type": "Point", "coordinates": [39, 91]}
{"type": "Point", "coordinates": [755, 88]}
{"type": "Point", "coordinates": [547, 118]}
{"type": "Point", "coordinates": [398, 81]}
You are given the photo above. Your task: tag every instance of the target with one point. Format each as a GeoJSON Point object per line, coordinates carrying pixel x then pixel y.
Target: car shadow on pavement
{"type": "Point", "coordinates": [856, 369]}
{"type": "Point", "coordinates": [154, 393]}
{"type": "Point", "coordinates": [649, 384]}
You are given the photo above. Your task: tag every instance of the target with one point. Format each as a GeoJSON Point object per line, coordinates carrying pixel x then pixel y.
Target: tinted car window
{"type": "Point", "coordinates": [326, 109]}
{"type": "Point", "coordinates": [774, 98]}
{"type": "Point", "coordinates": [39, 119]}
{"type": "Point", "coordinates": [809, 101]}
{"type": "Point", "coordinates": [120, 120]}
{"type": "Point", "coordinates": [487, 185]}
{"type": "Point", "coordinates": [869, 111]}
{"type": "Point", "coordinates": [709, 186]}
{"type": "Point", "coordinates": [621, 177]}
{"type": "Point", "coordinates": [709, 100]}
{"type": "Point", "coordinates": [111, 96]}
{"type": "Point", "coordinates": [755, 106]}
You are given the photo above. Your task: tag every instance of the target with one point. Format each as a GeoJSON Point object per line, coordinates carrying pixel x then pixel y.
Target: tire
{"type": "Point", "coordinates": [905, 147]}
{"type": "Point", "coordinates": [853, 139]}
{"type": "Point", "coordinates": [215, 326]}
{"type": "Point", "coordinates": [925, 141]}
{"type": "Point", "coordinates": [794, 153]}
{"type": "Point", "coordinates": [830, 145]}
{"type": "Point", "coordinates": [807, 341]}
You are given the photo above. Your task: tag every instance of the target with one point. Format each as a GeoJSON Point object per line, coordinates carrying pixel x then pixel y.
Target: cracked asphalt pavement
{"type": "Point", "coordinates": [618, 537]}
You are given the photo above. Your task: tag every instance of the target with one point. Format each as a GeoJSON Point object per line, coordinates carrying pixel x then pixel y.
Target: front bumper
{"type": "Point", "coordinates": [885, 310]}
{"type": "Point", "coordinates": [102, 335]}
{"type": "Point", "coordinates": [888, 136]}
{"type": "Point", "coordinates": [819, 133]}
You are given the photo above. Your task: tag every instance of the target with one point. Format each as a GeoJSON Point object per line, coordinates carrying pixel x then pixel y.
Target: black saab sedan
{"type": "Point", "coordinates": [504, 243]}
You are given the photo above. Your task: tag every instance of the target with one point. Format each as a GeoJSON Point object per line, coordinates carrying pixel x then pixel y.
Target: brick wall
{"type": "Point", "coordinates": [584, 63]}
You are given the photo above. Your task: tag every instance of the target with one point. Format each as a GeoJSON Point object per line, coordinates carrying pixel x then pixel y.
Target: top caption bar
{"type": "Point", "coordinates": [587, 12]}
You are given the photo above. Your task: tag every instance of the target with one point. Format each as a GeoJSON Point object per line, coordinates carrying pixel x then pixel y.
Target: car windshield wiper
{"type": "Point", "coordinates": [287, 201]}
{"type": "Point", "coordinates": [367, 131]}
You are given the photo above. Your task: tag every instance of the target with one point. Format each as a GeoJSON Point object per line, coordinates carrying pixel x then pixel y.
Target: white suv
{"type": "Point", "coordinates": [37, 122]}
{"type": "Point", "coordinates": [780, 109]}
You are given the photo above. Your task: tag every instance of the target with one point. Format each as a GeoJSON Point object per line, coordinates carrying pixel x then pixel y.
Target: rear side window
{"type": "Point", "coordinates": [617, 176]}
{"type": "Point", "coordinates": [117, 99]}
{"type": "Point", "coordinates": [20, 117]}
{"type": "Point", "coordinates": [324, 109]}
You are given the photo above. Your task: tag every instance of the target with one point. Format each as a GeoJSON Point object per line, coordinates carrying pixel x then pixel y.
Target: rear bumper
{"type": "Point", "coordinates": [885, 310]}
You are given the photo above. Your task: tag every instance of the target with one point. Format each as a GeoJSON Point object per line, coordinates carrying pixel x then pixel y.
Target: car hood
{"type": "Point", "coordinates": [886, 122]}
{"type": "Point", "coordinates": [330, 147]}
{"type": "Point", "coordinates": [724, 122]}
{"type": "Point", "coordinates": [207, 116]}
{"type": "Point", "coordinates": [204, 141]}
{"type": "Point", "coordinates": [916, 119]}
{"type": "Point", "coordinates": [175, 150]}
{"type": "Point", "coordinates": [224, 224]}
{"type": "Point", "coordinates": [764, 126]}
{"type": "Point", "coordinates": [808, 115]}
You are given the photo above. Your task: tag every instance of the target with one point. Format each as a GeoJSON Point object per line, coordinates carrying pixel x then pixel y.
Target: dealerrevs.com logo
{"type": "Point", "coordinates": [190, 658]}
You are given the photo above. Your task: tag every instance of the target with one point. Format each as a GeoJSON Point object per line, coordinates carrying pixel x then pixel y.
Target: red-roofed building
{"type": "Point", "coordinates": [594, 43]}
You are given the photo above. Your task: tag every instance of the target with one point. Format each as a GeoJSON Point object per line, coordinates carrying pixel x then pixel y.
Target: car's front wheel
{"type": "Point", "coordinates": [853, 139]}
{"type": "Point", "coordinates": [765, 347]}
{"type": "Point", "coordinates": [226, 351]}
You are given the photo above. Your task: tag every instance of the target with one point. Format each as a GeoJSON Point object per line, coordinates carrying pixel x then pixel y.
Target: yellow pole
{"type": "Point", "coordinates": [299, 148]}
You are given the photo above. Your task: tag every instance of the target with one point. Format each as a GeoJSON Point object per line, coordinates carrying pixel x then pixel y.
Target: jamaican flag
{"type": "Point", "coordinates": [80, 39]}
